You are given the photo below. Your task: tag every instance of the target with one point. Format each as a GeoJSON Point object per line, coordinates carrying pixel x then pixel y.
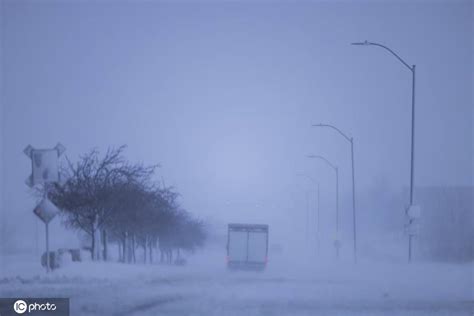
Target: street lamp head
{"type": "Point", "coordinates": [365, 43]}
{"type": "Point", "coordinates": [311, 156]}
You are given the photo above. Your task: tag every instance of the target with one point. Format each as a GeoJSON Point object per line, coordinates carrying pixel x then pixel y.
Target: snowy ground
{"type": "Point", "coordinates": [205, 287]}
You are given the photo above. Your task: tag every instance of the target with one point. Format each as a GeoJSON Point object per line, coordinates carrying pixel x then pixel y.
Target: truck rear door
{"type": "Point", "coordinates": [257, 247]}
{"type": "Point", "coordinates": [237, 246]}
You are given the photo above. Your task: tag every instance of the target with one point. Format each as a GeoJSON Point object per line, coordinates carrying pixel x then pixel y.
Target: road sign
{"type": "Point", "coordinates": [46, 210]}
{"type": "Point", "coordinates": [44, 164]}
{"type": "Point", "coordinates": [414, 211]}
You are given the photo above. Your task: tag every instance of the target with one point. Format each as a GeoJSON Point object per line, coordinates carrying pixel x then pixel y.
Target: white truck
{"type": "Point", "coordinates": [247, 246]}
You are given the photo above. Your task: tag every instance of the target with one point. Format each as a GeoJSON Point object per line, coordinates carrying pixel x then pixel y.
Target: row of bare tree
{"type": "Point", "coordinates": [113, 200]}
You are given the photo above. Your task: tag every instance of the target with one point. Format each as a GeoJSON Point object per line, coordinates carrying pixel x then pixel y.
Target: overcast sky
{"type": "Point", "coordinates": [222, 96]}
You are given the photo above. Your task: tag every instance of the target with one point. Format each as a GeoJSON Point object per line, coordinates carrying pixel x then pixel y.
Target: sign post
{"type": "Point", "coordinates": [337, 243]}
{"type": "Point", "coordinates": [47, 246]}
{"type": "Point", "coordinates": [46, 211]}
{"type": "Point", "coordinates": [412, 227]}
{"type": "Point", "coordinates": [44, 169]}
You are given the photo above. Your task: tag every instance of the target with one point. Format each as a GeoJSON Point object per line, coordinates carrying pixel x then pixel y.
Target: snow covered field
{"type": "Point", "coordinates": [205, 287]}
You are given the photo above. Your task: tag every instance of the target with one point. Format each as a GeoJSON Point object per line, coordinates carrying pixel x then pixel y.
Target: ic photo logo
{"type": "Point", "coordinates": [20, 307]}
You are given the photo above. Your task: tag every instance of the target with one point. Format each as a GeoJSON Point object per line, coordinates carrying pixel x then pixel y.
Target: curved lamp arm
{"type": "Point", "coordinates": [366, 43]}
{"type": "Point", "coordinates": [324, 159]}
{"type": "Point", "coordinates": [349, 139]}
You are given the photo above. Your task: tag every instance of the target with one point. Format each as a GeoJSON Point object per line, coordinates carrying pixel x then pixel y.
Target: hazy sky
{"type": "Point", "coordinates": [223, 95]}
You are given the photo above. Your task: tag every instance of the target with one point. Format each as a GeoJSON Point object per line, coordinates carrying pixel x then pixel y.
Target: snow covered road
{"type": "Point", "coordinates": [201, 289]}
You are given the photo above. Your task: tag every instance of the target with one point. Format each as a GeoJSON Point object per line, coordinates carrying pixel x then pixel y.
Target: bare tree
{"type": "Point", "coordinates": [109, 198]}
{"type": "Point", "coordinates": [87, 197]}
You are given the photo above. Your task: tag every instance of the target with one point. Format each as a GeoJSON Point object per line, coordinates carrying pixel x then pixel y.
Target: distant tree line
{"type": "Point", "coordinates": [112, 200]}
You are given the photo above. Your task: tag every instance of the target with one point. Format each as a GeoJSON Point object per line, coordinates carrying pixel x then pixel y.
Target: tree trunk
{"type": "Point", "coordinates": [124, 248]}
{"type": "Point", "coordinates": [124, 245]}
{"type": "Point", "coordinates": [133, 249]}
{"type": "Point", "coordinates": [104, 241]}
{"type": "Point", "coordinates": [129, 249]}
{"type": "Point", "coordinates": [93, 244]}
{"type": "Point", "coordinates": [144, 252]}
{"type": "Point", "coordinates": [119, 246]}
{"type": "Point", "coordinates": [150, 249]}
{"type": "Point", "coordinates": [98, 244]}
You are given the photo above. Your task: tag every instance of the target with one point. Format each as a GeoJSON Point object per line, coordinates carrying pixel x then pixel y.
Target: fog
{"type": "Point", "coordinates": [222, 96]}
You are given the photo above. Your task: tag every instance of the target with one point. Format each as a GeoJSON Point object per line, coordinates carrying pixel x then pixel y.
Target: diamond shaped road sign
{"type": "Point", "coordinates": [46, 210]}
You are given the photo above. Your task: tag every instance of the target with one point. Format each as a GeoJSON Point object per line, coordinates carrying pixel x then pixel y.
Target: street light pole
{"type": "Point", "coordinates": [412, 155]}
{"type": "Point", "coordinates": [354, 222]}
{"type": "Point", "coordinates": [307, 218]}
{"type": "Point", "coordinates": [318, 226]}
{"type": "Point", "coordinates": [336, 169]}
{"type": "Point", "coordinates": [410, 236]}
{"type": "Point", "coordinates": [337, 201]}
